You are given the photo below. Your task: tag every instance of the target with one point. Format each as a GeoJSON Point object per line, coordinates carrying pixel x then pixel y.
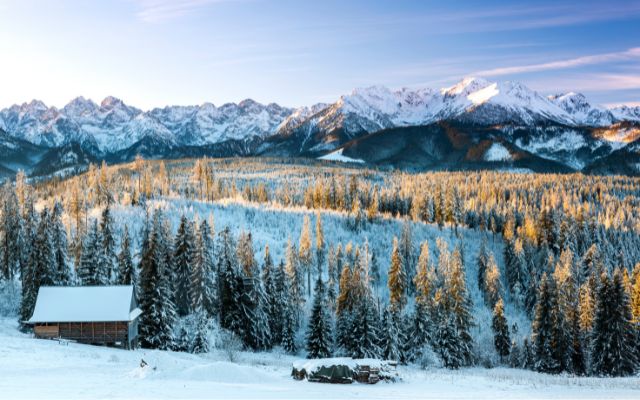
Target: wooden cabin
{"type": "Point", "coordinates": [104, 315]}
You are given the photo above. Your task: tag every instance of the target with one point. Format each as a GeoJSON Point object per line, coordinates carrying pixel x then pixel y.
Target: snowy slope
{"type": "Point", "coordinates": [43, 369]}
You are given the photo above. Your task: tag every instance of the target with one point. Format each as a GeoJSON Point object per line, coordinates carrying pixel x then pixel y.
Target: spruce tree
{"type": "Point", "coordinates": [127, 272]}
{"type": "Point", "coordinates": [10, 242]}
{"type": "Point", "coordinates": [289, 324]}
{"type": "Point", "coordinates": [397, 279]}
{"type": "Point", "coordinates": [292, 268]}
{"type": "Point", "coordinates": [304, 252]}
{"type": "Point", "coordinates": [201, 334]}
{"type": "Point", "coordinates": [501, 338]}
{"type": "Point", "coordinates": [612, 343]}
{"type": "Point", "coordinates": [407, 256]}
{"type": "Point", "coordinates": [108, 258]}
{"type": "Point", "coordinates": [493, 287]}
{"type": "Point", "coordinates": [59, 238]}
{"type": "Point", "coordinates": [251, 300]}
{"type": "Point", "coordinates": [567, 318]}
{"type": "Point", "coordinates": [39, 270]}
{"type": "Point", "coordinates": [184, 266]}
{"type": "Point", "coordinates": [319, 335]}
{"type": "Point", "coordinates": [483, 259]}
{"type": "Point", "coordinates": [458, 304]}
{"type": "Point", "coordinates": [88, 268]}
{"type": "Point", "coordinates": [158, 310]}
{"type": "Point", "coordinates": [230, 282]}
{"type": "Point", "coordinates": [544, 344]}
{"type": "Point", "coordinates": [394, 339]}
{"type": "Point", "coordinates": [424, 281]}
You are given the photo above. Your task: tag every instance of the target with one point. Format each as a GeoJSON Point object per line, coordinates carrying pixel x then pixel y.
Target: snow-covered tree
{"type": "Point", "coordinates": [158, 309]}
{"type": "Point", "coordinates": [305, 258]}
{"type": "Point", "coordinates": [319, 335]}
{"type": "Point", "coordinates": [127, 272]}
{"type": "Point", "coordinates": [59, 240]}
{"type": "Point", "coordinates": [108, 258]}
{"type": "Point", "coordinates": [500, 327]}
{"type": "Point", "coordinates": [613, 337]}
{"type": "Point", "coordinates": [183, 266]}
{"type": "Point", "coordinates": [543, 338]}
{"type": "Point", "coordinates": [397, 279]}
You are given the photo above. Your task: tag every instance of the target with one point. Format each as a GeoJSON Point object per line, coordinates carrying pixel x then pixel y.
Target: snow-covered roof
{"type": "Point", "coordinates": [85, 304]}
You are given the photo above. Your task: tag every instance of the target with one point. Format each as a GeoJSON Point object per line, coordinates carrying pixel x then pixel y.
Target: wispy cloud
{"type": "Point", "coordinates": [162, 10]}
{"type": "Point", "coordinates": [632, 53]}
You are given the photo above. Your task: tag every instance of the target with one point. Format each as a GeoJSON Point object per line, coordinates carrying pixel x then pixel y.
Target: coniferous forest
{"type": "Point", "coordinates": [450, 269]}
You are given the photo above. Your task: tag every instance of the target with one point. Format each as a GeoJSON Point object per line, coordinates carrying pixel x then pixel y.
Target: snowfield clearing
{"type": "Point", "coordinates": [44, 369]}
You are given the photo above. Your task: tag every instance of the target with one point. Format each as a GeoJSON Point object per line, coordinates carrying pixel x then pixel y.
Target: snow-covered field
{"type": "Point", "coordinates": [43, 369]}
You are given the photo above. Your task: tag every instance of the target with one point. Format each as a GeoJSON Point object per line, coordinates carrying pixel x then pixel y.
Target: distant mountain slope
{"type": "Point", "coordinates": [445, 146]}
{"type": "Point", "coordinates": [17, 154]}
{"type": "Point", "coordinates": [564, 129]}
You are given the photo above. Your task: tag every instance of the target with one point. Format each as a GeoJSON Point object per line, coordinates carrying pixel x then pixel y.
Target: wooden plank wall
{"type": "Point", "coordinates": [85, 332]}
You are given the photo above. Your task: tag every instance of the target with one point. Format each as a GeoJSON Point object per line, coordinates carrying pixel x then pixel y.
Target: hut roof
{"type": "Point", "coordinates": [85, 304]}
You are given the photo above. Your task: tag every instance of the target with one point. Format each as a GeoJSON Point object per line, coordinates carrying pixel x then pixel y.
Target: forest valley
{"type": "Point", "coordinates": [319, 259]}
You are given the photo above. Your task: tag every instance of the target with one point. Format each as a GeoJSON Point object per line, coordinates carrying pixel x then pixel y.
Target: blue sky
{"type": "Point", "coordinates": [294, 52]}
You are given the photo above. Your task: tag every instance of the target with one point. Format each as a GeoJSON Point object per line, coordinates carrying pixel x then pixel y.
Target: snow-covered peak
{"type": "Point", "coordinates": [80, 107]}
{"type": "Point", "coordinates": [465, 87]}
{"type": "Point", "coordinates": [111, 102]}
{"type": "Point", "coordinates": [581, 111]}
{"type": "Point", "coordinates": [626, 113]}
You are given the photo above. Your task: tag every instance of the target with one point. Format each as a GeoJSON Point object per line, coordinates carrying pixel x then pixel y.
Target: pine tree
{"type": "Point", "coordinates": [272, 281]}
{"type": "Point", "coordinates": [397, 279]}
{"type": "Point", "coordinates": [10, 242]}
{"type": "Point", "coordinates": [88, 274]}
{"type": "Point", "coordinates": [344, 308]}
{"type": "Point", "coordinates": [184, 266]}
{"type": "Point", "coordinates": [483, 260]}
{"type": "Point", "coordinates": [528, 356]}
{"type": "Point", "coordinates": [567, 317]}
{"type": "Point", "coordinates": [201, 336]}
{"type": "Point", "coordinates": [612, 351]}
{"type": "Point", "coordinates": [39, 270]}
{"type": "Point", "coordinates": [493, 287]}
{"type": "Point", "coordinates": [394, 339]}
{"type": "Point", "coordinates": [544, 346]}
{"type": "Point", "coordinates": [320, 250]}
{"type": "Point", "coordinates": [304, 252]}
{"type": "Point", "coordinates": [158, 310]}
{"type": "Point", "coordinates": [458, 305]}
{"type": "Point", "coordinates": [127, 272]}
{"type": "Point", "coordinates": [446, 339]}
{"type": "Point", "coordinates": [407, 257]}
{"type": "Point", "coordinates": [364, 336]}
{"type": "Point", "coordinates": [635, 296]}
{"type": "Point", "coordinates": [108, 258]}
{"type": "Point", "coordinates": [319, 335]}
{"type": "Point", "coordinates": [230, 282]}
{"type": "Point", "coordinates": [332, 273]}
{"type": "Point", "coordinates": [500, 329]}
{"type": "Point", "coordinates": [292, 268]}
{"type": "Point", "coordinates": [289, 324]}
{"type": "Point", "coordinates": [424, 281]}
{"type": "Point", "coordinates": [59, 240]}
{"type": "Point", "coordinates": [253, 301]}
{"type": "Point", "coordinates": [515, 358]}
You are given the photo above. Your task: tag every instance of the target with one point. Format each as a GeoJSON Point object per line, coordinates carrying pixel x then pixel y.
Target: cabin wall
{"type": "Point", "coordinates": [111, 333]}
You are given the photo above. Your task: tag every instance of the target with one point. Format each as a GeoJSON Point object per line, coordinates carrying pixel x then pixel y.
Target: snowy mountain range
{"type": "Point", "coordinates": [564, 128]}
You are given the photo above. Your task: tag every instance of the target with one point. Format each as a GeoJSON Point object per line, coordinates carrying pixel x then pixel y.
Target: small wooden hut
{"type": "Point", "coordinates": [105, 315]}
